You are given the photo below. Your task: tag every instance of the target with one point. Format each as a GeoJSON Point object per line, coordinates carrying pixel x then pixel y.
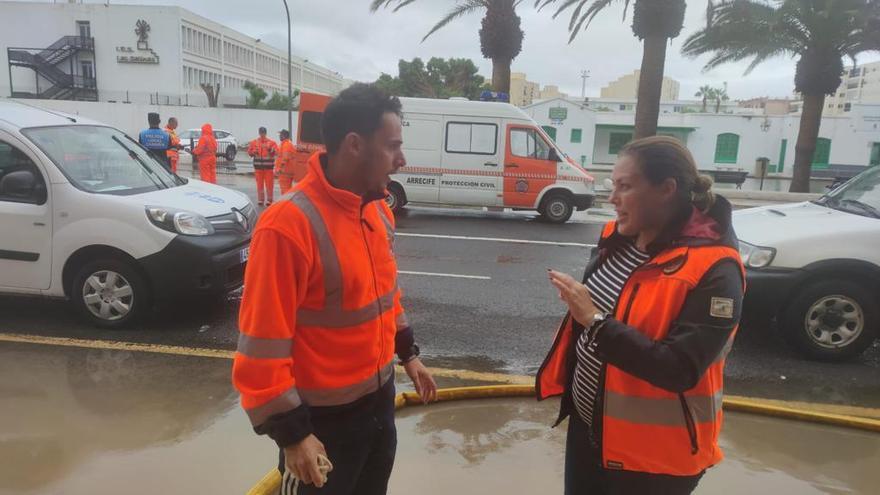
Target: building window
{"type": "Point", "coordinates": [618, 140]}
{"type": "Point", "coordinates": [622, 107]}
{"type": "Point", "coordinates": [726, 148]}
{"type": "Point", "coordinates": [84, 29]}
{"type": "Point", "coordinates": [550, 130]}
{"type": "Point", "coordinates": [875, 154]}
{"type": "Point", "coordinates": [576, 135]}
{"type": "Point", "coordinates": [88, 69]}
{"type": "Point", "coordinates": [822, 154]}
{"type": "Point", "coordinates": [847, 107]}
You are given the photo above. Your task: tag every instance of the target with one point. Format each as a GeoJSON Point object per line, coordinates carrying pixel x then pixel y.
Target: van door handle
{"type": "Point", "coordinates": [39, 224]}
{"type": "Point", "coordinates": [511, 165]}
{"type": "Point", "coordinates": [490, 164]}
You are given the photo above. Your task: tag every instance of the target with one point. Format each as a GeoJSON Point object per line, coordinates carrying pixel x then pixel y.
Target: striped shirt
{"type": "Point", "coordinates": [605, 285]}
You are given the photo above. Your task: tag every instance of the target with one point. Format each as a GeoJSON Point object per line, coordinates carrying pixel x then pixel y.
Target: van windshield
{"type": "Point", "coordinates": [860, 195]}
{"type": "Point", "coordinates": [102, 160]}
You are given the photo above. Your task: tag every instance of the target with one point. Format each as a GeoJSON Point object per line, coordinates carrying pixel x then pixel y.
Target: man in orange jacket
{"type": "Point", "coordinates": [285, 162]}
{"type": "Point", "coordinates": [174, 148]}
{"type": "Point", "coordinates": [321, 317]}
{"type": "Point", "coordinates": [263, 151]}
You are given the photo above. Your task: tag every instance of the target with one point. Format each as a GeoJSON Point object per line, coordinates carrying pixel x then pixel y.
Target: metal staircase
{"type": "Point", "coordinates": [45, 62]}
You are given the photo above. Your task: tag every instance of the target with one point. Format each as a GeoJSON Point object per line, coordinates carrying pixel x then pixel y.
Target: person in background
{"type": "Point", "coordinates": [173, 153]}
{"type": "Point", "coordinates": [639, 358]}
{"type": "Point", "coordinates": [155, 140]}
{"type": "Point", "coordinates": [206, 153]}
{"type": "Point", "coordinates": [263, 150]}
{"type": "Point", "coordinates": [284, 162]}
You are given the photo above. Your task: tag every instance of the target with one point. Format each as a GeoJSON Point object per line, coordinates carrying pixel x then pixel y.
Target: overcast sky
{"type": "Point", "coordinates": [344, 36]}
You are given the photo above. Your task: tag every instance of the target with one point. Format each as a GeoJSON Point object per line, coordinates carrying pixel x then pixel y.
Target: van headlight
{"type": "Point", "coordinates": [179, 221]}
{"type": "Point", "coordinates": [756, 256]}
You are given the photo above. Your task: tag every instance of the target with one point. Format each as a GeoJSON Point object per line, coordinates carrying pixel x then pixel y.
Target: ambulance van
{"type": "Point", "coordinates": [475, 153]}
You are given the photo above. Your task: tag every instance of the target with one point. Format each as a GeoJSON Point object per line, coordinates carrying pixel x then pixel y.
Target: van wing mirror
{"type": "Point", "coordinates": [21, 185]}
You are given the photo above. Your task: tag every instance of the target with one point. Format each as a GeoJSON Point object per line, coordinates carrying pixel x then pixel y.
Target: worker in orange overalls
{"type": "Point", "coordinates": [174, 148]}
{"type": "Point", "coordinates": [321, 316]}
{"type": "Point", "coordinates": [263, 150]}
{"type": "Point", "coordinates": [284, 162]}
{"type": "Point", "coordinates": [206, 153]}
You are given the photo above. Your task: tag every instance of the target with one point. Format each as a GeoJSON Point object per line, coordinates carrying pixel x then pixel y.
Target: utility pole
{"type": "Point", "coordinates": [585, 74]}
{"type": "Point", "coordinates": [289, 81]}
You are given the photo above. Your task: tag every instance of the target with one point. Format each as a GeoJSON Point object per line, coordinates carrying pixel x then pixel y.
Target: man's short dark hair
{"type": "Point", "coordinates": [153, 119]}
{"type": "Point", "coordinates": [262, 130]}
{"type": "Point", "coordinates": [359, 108]}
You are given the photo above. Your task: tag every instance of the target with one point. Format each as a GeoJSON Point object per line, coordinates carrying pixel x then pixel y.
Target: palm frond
{"type": "Point", "coordinates": [460, 10]}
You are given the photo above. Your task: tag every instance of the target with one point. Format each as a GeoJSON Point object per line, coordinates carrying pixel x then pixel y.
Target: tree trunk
{"type": "Point", "coordinates": [650, 86]}
{"type": "Point", "coordinates": [717, 106]}
{"type": "Point", "coordinates": [705, 103]}
{"type": "Point", "coordinates": [501, 75]}
{"type": "Point", "coordinates": [811, 119]}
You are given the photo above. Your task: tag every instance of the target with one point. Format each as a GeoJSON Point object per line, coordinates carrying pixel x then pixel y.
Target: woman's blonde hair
{"type": "Point", "coordinates": [663, 157]}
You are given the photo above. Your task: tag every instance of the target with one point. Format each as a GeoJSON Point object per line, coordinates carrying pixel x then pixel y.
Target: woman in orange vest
{"type": "Point", "coordinates": [173, 152]}
{"type": "Point", "coordinates": [263, 151]}
{"type": "Point", "coordinates": [206, 153]}
{"type": "Point", "coordinates": [284, 164]}
{"type": "Point", "coordinates": [639, 358]}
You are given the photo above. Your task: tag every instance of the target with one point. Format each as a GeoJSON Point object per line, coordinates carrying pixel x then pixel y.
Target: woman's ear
{"type": "Point", "coordinates": [669, 188]}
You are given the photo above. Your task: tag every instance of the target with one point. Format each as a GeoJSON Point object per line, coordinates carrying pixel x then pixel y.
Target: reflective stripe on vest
{"type": "Point", "coordinates": [264, 348]}
{"type": "Point", "coordinates": [285, 402]}
{"type": "Point", "coordinates": [665, 411]}
{"type": "Point", "coordinates": [333, 314]}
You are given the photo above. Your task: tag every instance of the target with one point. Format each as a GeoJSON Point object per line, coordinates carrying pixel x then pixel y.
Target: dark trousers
{"type": "Point", "coordinates": [361, 447]}
{"type": "Point", "coordinates": [584, 474]}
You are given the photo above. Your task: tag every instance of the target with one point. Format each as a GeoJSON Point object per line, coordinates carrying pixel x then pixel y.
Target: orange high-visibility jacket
{"type": "Point", "coordinates": [284, 164]}
{"type": "Point", "coordinates": [646, 428]}
{"type": "Point", "coordinates": [173, 152]}
{"type": "Point", "coordinates": [263, 151]}
{"type": "Point", "coordinates": [321, 317]}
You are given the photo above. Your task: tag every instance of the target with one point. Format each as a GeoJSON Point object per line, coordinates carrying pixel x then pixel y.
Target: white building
{"type": "Point", "coordinates": [860, 84]}
{"type": "Point", "coordinates": [718, 141]}
{"type": "Point", "coordinates": [140, 54]}
{"type": "Point", "coordinates": [627, 88]}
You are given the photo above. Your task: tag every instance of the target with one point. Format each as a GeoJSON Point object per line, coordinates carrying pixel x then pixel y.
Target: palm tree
{"type": "Point", "coordinates": [500, 35]}
{"type": "Point", "coordinates": [706, 93]}
{"type": "Point", "coordinates": [818, 33]}
{"type": "Point", "coordinates": [720, 95]}
{"type": "Point", "coordinates": [655, 22]}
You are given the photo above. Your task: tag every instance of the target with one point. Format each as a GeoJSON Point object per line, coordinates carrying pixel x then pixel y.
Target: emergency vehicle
{"type": "Point", "coordinates": [471, 153]}
{"type": "Point", "coordinates": [88, 215]}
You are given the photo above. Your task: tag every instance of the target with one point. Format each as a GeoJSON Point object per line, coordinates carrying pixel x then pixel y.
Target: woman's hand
{"type": "Point", "coordinates": [576, 296]}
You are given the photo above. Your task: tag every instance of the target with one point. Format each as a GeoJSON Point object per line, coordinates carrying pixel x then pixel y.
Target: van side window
{"type": "Point", "coordinates": [16, 186]}
{"type": "Point", "coordinates": [527, 143]}
{"type": "Point", "coordinates": [471, 138]}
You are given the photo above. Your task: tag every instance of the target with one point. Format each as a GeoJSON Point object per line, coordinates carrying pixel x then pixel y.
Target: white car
{"type": "Point", "coordinates": [88, 215]}
{"type": "Point", "coordinates": [227, 145]}
{"type": "Point", "coordinates": [816, 267]}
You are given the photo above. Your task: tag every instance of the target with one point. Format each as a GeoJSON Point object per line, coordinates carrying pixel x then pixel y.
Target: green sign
{"type": "Point", "coordinates": [558, 113]}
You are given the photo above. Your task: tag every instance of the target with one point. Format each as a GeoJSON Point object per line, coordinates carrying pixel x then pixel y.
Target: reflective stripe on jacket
{"type": "Point", "coordinates": [263, 151]}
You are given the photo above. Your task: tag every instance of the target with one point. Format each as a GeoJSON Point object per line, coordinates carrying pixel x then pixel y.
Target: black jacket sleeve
{"type": "Point", "coordinates": [695, 341]}
{"type": "Point", "coordinates": [287, 428]}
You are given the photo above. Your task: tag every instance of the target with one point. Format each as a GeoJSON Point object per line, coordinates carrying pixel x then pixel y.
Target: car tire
{"type": "Point", "coordinates": [556, 208]}
{"type": "Point", "coordinates": [110, 293]}
{"type": "Point", "coordinates": [230, 153]}
{"type": "Point", "coordinates": [396, 198]}
{"type": "Point", "coordinates": [831, 320]}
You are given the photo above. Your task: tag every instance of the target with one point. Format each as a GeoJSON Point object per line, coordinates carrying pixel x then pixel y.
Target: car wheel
{"type": "Point", "coordinates": [230, 153]}
{"type": "Point", "coordinates": [831, 320]}
{"type": "Point", "coordinates": [110, 293]}
{"type": "Point", "coordinates": [396, 198]}
{"type": "Point", "coordinates": [556, 209]}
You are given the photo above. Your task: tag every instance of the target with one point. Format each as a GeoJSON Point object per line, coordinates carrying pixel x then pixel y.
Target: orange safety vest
{"type": "Point", "coordinates": [646, 428]}
{"type": "Point", "coordinates": [321, 306]}
{"type": "Point", "coordinates": [284, 164]}
{"type": "Point", "coordinates": [173, 152]}
{"type": "Point", "coordinates": [263, 151]}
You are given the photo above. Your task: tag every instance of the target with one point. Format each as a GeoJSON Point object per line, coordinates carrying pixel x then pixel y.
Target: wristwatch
{"type": "Point", "coordinates": [599, 319]}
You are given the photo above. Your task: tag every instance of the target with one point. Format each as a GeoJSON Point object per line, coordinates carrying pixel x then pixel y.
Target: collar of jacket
{"type": "Point", "coordinates": [693, 228]}
{"type": "Point", "coordinates": [348, 202]}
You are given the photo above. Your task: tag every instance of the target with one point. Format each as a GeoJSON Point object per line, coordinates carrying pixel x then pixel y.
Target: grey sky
{"type": "Point", "coordinates": [344, 36]}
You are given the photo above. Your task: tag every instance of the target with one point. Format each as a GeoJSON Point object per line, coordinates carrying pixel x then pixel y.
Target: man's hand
{"type": "Point", "coordinates": [576, 296]}
{"type": "Point", "coordinates": [302, 460]}
{"type": "Point", "coordinates": [422, 379]}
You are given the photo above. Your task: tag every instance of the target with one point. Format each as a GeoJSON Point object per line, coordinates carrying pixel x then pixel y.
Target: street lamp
{"type": "Point", "coordinates": [289, 82]}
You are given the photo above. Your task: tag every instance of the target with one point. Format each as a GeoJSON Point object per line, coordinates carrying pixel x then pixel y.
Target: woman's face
{"type": "Point", "coordinates": [640, 205]}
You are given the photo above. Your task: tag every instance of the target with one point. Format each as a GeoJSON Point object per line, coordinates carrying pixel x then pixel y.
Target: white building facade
{"type": "Point", "coordinates": [718, 141]}
{"type": "Point", "coordinates": [140, 54]}
{"type": "Point", "coordinates": [861, 84]}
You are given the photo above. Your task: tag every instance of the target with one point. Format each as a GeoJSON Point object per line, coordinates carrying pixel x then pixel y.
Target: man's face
{"type": "Point", "coordinates": [263, 134]}
{"type": "Point", "coordinates": [382, 156]}
{"type": "Point", "coordinates": [172, 124]}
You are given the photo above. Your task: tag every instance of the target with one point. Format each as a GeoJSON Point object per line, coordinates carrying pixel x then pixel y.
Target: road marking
{"type": "Point", "coordinates": [494, 239]}
{"type": "Point", "coordinates": [447, 275]}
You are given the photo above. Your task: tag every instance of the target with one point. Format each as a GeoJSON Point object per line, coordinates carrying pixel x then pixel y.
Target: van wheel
{"type": "Point", "coordinates": [831, 320]}
{"type": "Point", "coordinates": [556, 209]}
{"type": "Point", "coordinates": [110, 293]}
{"type": "Point", "coordinates": [396, 198]}
{"type": "Point", "coordinates": [230, 153]}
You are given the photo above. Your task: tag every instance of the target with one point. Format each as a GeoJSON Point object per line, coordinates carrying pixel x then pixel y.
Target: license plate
{"type": "Point", "coordinates": [244, 254]}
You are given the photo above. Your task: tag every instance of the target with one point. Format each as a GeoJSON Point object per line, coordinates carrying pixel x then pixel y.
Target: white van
{"type": "Point", "coordinates": [87, 214]}
{"type": "Point", "coordinates": [816, 267]}
{"type": "Point", "coordinates": [473, 153]}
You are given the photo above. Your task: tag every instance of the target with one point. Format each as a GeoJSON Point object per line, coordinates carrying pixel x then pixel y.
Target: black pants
{"type": "Point", "coordinates": [584, 474]}
{"type": "Point", "coordinates": [360, 444]}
